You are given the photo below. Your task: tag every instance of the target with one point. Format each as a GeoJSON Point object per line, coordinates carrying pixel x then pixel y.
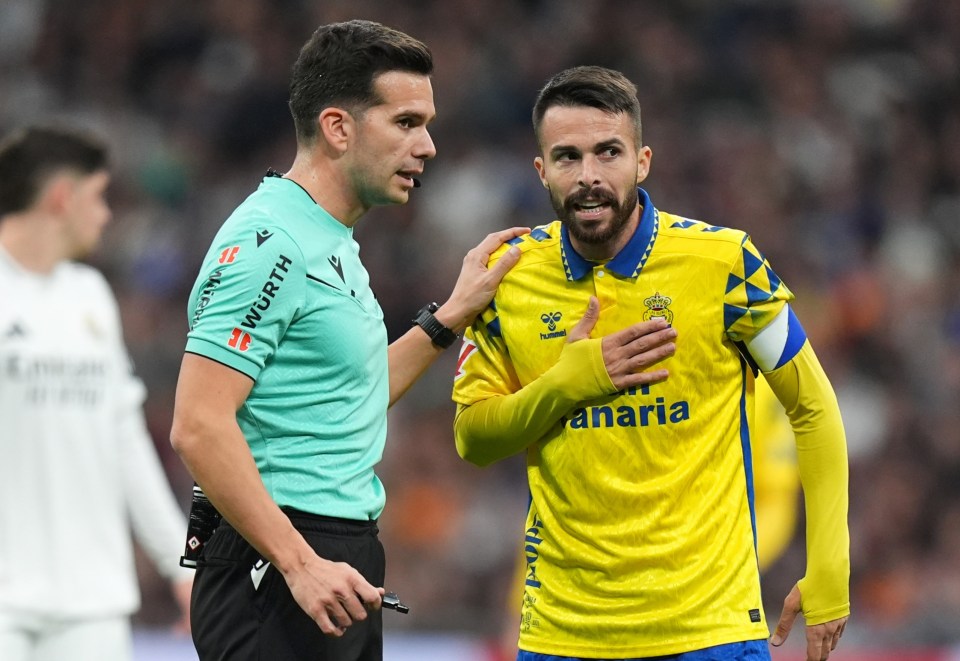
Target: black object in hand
{"type": "Point", "coordinates": [392, 601]}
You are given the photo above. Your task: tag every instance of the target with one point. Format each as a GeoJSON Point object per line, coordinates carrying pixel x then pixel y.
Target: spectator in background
{"type": "Point", "coordinates": [640, 537]}
{"type": "Point", "coordinates": [78, 463]}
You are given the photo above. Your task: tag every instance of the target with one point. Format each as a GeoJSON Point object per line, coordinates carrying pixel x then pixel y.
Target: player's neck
{"type": "Point", "coordinates": [32, 243]}
{"type": "Point", "coordinates": [602, 252]}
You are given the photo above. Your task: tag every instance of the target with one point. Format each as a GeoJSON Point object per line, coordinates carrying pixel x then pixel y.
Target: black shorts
{"type": "Point", "coordinates": [234, 620]}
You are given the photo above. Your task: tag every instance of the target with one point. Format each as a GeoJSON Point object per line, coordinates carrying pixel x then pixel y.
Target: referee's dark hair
{"type": "Point", "coordinates": [338, 66]}
{"type": "Point", "coordinates": [30, 156]}
{"type": "Point", "coordinates": [591, 86]}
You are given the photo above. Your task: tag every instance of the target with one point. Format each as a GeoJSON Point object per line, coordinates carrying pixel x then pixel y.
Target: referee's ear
{"type": "Point", "coordinates": [337, 129]}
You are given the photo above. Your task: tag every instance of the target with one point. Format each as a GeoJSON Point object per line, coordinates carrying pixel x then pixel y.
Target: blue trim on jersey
{"type": "Point", "coordinates": [774, 279]}
{"type": "Point", "coordinates": [796, 337]}
{"type": "Point", "coordinates": [539, 234]}
{"type": "Point", "coordinates": [628, 262]}
{"type": "Point", "coordinates": [756, 295]}
{"type": "Point", "coordinates": [745, 447]}
{"type": "Point", "coordinates": [751, 650]}
{"type": "Point", "coordinates": [751, 264]}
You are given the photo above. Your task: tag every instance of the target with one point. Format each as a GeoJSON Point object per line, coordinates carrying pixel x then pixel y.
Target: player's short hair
{"type": "Point", "coordinates": [591, 86]}
{"type": "Point", "coordinates": [29, 157]}
{"type": "Point", "coordinates": [339, 65]}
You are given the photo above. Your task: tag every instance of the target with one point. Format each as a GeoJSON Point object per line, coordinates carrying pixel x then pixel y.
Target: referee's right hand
{"type": "Point", "coordinates": [333, 594]}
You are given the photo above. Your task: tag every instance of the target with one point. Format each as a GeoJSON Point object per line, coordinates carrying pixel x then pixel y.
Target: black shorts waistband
{"type": "Point", "coordinates": [305, 521]}
{"type": "Point", "coordinates": [332, 525]}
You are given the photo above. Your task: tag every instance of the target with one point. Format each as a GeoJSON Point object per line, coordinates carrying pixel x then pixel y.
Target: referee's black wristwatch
{"type": "Point", "coordinates": [439, 334]}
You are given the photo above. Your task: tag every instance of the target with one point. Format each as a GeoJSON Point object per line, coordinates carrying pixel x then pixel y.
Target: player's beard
{"type": "Point", "coordinates": [622, 210]}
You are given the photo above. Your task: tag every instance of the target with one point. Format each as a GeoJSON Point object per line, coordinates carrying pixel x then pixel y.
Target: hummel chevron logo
{"type": "Point", "coordinates": [337, 266]}
{"type": "Point", "coordinates": [263, 235]}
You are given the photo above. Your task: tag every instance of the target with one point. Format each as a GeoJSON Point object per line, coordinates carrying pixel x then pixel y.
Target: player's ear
{"type": "Point", "coordinates": [644, 156]}
{"type": "Point", "coordinates": [56, 193]}
{"type": "Point", "coordinates": [538, 163]}
{"type": "Point", "coordinates": [337, 127]}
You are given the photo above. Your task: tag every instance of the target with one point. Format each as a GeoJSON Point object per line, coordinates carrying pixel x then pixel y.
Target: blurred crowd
{"type": "Point", "coordinates": [828, 129]}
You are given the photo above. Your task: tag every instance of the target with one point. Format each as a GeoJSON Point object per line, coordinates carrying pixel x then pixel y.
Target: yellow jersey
{"type": "Point", "coordinates": [640, 537]}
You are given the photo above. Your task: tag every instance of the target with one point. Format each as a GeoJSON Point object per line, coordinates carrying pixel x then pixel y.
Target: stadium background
{"type": "Point", "coordinates": [829, 129]}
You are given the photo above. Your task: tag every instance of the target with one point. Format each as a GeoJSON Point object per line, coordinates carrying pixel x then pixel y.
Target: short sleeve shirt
{"type": "Point", "coordinates": [283, 298]}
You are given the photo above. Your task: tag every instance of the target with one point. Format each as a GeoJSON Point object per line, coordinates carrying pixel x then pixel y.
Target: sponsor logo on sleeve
{"type": "Point", "coordinates": [267, 293]}
{"type": "Point", "coordinates": [206, 295]}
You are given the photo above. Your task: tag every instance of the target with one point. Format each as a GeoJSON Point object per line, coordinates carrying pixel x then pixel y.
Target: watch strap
{"type": "Point", "coordinates": [439, 334]}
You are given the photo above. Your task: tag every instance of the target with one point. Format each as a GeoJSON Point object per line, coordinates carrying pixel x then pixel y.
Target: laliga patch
{"type": "Point", "coordinates": [469, 346]}
{"type": "Point", "coordinates": [229, 255]}
{"type": "Point", "coordinates": [239, 340]}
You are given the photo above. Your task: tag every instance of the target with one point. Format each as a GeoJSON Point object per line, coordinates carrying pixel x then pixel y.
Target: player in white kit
{"type": "Point", "coordinates": [77, 465]}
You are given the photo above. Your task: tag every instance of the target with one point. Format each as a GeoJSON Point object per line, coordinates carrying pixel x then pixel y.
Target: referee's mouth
{"type": "Point", "coordinates": [410, 177]}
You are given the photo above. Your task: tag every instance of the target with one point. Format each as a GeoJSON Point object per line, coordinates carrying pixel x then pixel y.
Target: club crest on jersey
{"type": "Point", "coordinates": [657, 308]}
{"type": "Point", "coordinates": [551, 319]}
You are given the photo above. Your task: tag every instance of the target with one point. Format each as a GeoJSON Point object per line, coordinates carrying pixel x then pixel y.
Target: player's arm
{"type": "Point", "coordinates": [157, 519]}
{"type": "Point", "coordinates": [814, 414]}
{"type": "Point", "coordinates": [412, 353]}
{"type": "Point", "coordinates": [207, 437]}
{"type": "Point", "coordinates": [500, 426]}
{"type": "Point", "coordinates": [795, 375]}
{"type": "Point", "coordinates": [775, 476]}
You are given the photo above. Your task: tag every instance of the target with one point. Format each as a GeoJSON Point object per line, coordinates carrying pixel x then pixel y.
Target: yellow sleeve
{"type": "Point", "coordinates": [803, 388]}
{"type": "Point", "coordinates": [775, 476]}
{"type": "Point", "coordinates": [500, 426]}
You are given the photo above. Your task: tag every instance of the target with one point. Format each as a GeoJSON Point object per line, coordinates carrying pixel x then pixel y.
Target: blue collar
{"type": "Point", "coordinates": [628, 262]}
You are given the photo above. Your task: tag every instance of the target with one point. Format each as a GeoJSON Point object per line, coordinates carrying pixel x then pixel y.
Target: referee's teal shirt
{"type": "Point", "coordinates": [283, 297]}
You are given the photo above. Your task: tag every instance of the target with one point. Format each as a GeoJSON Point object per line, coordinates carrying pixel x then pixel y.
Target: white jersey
{"type": "Point", "coordinates": [77, 464]}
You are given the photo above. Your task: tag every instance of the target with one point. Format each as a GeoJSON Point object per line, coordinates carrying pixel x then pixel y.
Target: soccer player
{"type": "Point", "coordinates": [640, 535]}
{"type": "Point", "coordinates": [78, 463]}
{"type": "Point", "coordinates": [281, 406]}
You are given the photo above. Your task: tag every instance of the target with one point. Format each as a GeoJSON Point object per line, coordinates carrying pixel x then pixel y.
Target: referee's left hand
{"type": "Point", "coordinates": [821, 638]}
{"type": "Point", "coordinates": [477, 284]}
